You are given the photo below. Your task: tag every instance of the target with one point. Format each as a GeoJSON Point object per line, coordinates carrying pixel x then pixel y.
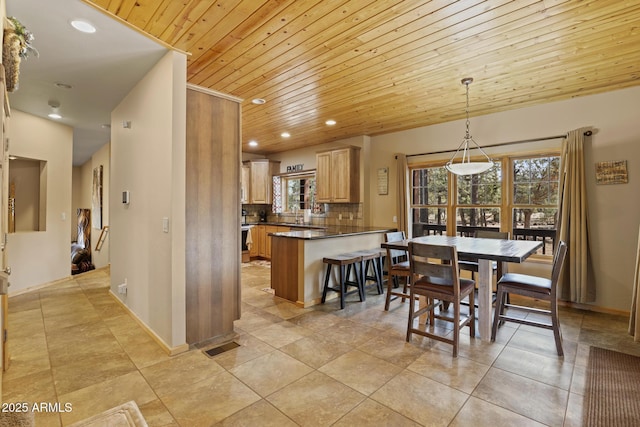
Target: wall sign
{"type": "Point", "coordinates": [295, 168]}
{"type": "Point", "coordinates": [612, 172]}
{"type": "Point", "coordinates": [383, 181]}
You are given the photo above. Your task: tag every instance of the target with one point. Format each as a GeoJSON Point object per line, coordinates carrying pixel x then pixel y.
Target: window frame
{"type": "Point", "coordinates": [284, 183]}
{"type": "Point", "coordinates": [506, 205]}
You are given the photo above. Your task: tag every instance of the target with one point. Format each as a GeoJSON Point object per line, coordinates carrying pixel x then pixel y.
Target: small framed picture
{"type": "Point", "coordinates": [611, 172]}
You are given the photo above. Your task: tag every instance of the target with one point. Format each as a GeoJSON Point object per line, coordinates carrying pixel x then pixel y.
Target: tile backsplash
{"type": "Point", "coordinates": [349, 214]}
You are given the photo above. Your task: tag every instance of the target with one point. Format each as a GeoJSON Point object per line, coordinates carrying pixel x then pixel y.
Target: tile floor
{"type": "Point", "coordinates": [71, 343]}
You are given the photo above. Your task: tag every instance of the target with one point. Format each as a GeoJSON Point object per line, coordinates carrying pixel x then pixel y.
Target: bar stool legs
{"type": "Point", "coordinates": [344, 262]}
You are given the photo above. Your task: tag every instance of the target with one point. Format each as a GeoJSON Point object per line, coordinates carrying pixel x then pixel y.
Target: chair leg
{"type": "Point", "coordinates": [498, 311]}
{"type": "Point", "coordinates": [556, 327]}
{"type": "Point", "coordinates": [456, 328]}
{"type": "Point", "coordinates": [326, 283]}
{"type": "Point", "coordinates": [343, 286]}
{"type": "Point", "coordinates": [404, 288]}
{"type": "Point", "coordinates": [411, 311]}
{"type": "Point", "coordinates": [360, 280]}
{"type": "Point", "coordinates": [388, 298]}
{"type": "Point", "coordinates": [472, 315]}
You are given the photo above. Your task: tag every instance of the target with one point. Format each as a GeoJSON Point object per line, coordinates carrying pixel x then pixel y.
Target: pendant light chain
{"type": "Point", "coordinates": [468, 136]}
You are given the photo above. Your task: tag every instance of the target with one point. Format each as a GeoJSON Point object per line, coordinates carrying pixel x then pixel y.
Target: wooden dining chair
{"type": "Point", "coordinates": [536, 287]}
{"type": "Point", "coordinates": [435, 276]}
{"type": "Point", "coordinates": [398, 268]}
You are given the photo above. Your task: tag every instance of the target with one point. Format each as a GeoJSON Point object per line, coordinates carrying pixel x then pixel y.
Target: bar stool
{"type": "Point", "coordinates": [345, 262]}
{"type": "Point", "coordinates": [371, 267]}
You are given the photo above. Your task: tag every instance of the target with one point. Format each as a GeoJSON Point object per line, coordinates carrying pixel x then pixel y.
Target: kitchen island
{"type": "Point", "coordinates": [297, 270]}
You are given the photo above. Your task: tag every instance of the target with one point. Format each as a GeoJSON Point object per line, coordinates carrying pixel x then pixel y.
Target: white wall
{"type": "Point", "coordinates": [43, 256]}
{"type": "Point", "coordinates": [148, 161]}
{"type": "Point", "coordinates": [613, 209]}
{"type": "Point", "coordinates": [81, 198]}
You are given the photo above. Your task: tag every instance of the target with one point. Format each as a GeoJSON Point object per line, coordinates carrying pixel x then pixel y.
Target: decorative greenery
{"type": "Point", "coordinates": [26, 38]}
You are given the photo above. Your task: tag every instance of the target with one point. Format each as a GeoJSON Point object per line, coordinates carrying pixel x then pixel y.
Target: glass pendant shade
{"type": "Point", "coordinates": [464, 165]}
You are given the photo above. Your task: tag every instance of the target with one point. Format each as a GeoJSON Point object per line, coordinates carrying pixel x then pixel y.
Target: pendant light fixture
{"type": "Point", "coordinates": [465, 166]}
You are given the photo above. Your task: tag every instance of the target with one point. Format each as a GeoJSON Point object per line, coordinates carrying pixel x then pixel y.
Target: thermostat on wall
{"type": "Point", "coordinates": [125, 197]}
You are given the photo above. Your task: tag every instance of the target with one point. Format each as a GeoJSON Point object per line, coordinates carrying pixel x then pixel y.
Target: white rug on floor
{"type": "Point", "coordinates": [125, 415]}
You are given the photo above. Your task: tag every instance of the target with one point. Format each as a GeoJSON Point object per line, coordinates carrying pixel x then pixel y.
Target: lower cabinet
{"type": "Point", "coordinates": [262, 241]}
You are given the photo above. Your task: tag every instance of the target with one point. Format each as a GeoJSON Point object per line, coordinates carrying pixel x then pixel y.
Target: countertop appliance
{"type": "Point", "coordinates": [244, 216]}
{"type": "Point", "coordinates": [263, 216]}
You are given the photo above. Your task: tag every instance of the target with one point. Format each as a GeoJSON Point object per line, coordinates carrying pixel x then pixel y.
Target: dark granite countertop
{"type": "Point", "coordinates": [330, 232]}
{"type": "Point", "coordinates": [288, 224]}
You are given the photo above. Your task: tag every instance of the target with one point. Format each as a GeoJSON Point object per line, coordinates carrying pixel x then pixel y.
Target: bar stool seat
{"type": "Point", "coordinates": [371, 267]}
{"type": "Point", "coordinates": [344, 262]}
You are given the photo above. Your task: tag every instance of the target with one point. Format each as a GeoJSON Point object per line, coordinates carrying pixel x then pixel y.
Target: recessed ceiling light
{"type": "Point", "coordinates": [258, 101]}
{"type": "Point", "coordinates": [253, 143]}
{"type": "Point", "coordinates": [285, 134]}
{"type": "Point", "coordinates": [54, 116]}
{"type": "Point", "coordinates": [83, 26]}
{"type": "Point", "coordinates": [330, 122]}
{"type": "Point", "coordinates": [55, 110]}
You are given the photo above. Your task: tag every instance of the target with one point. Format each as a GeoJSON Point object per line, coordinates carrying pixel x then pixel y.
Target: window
{"type": "Point", "coordinates": [295, 192]}
{"type": "Point", "coordinates": [520, 194]}
{"type": "Point", "coordinates": [479, 202]}
{"type": "Point", "coordinates": [535, 199]}
{"type": "Point", "coordinates": [429, 200]}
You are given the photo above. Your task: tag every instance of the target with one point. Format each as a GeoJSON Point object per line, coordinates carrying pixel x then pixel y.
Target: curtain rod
{"type": "Point", "coordinates": [546, 138]}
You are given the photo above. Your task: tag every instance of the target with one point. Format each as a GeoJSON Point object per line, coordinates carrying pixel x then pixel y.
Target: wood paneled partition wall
{"type": "Point", "coordinates": [213, 248]}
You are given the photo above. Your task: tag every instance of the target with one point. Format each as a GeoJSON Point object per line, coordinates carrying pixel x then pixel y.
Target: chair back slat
{"type": "Point", "coordinates": [395, 254]}
{"type": "Point", "coordinates": [558, 262]}
{"type": "Point", "coordinates": [435, 261]}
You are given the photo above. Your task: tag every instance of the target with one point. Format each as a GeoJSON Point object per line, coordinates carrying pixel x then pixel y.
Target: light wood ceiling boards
{"type": "Point", "coordinates": [380, 66]}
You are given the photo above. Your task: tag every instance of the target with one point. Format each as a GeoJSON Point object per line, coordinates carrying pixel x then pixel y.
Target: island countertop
{"type": "Point", "coordinates": [330, 232]}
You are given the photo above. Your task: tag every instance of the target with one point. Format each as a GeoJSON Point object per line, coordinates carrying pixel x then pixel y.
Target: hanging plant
{"type": "Point", "coordinates": [17, 44]}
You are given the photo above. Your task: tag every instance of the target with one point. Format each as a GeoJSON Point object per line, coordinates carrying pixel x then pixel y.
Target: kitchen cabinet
{"type": "Point", "coordinates": [338, 175]}
{"type": "Point", "coordinates": [262, 241]}
{"type": "Point", "coordinates": [261, 173]}
{"type": "Point", "coordinates": [245, 182]}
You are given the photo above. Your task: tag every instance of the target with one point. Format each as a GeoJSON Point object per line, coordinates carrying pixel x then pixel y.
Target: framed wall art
{"type": "Point", "coordinates": [611, 172]}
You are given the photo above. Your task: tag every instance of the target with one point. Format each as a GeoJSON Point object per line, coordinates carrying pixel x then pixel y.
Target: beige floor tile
{"type": "Point", "coordinates": [32, 388]}
{"type": "Point", "coordinates": [315, 320]}
{"type": "Point", "coordinates": [24, 302]}
{"type": "Point", "coordinates": [315, 350]}
{"type": "Point", "coordinates": [270, 372]}
{"type": "Point", "coordinates": [550, 370]}
{"type": "Point", "coordinates": [178, 373]}
{"type": "Point", "coordinates": [23, 364]}
{"type": "Point", "coordinates": [315, 400]}
{"type": "Point", "coordinates": [349, 332]}
{"type": "Point", "coordinates": [421, 399]}
{"type": "Point", "coordinates": [99, 397]}
{"type": "Point", "coordinates": [71, 317]}
{"type": "Point", "coordinates": [476, 412]}
{"type": "Point", "coordinates": [25, 323]}
{"type": "Point", "coordinates": [156, 414]}
{"type": "Point", "coordinates": [280, 334]}
{"type": "Point", "coordinates": [377, 318]}
{"type": "Point", "coordinates": [286, 310]}
{"type": "Point", "coordinates": [393, 348]}
{"type": "Point", "coordinates": [210, 401]}
{"type": "Point", "coordinates": [261, 413]}
{"type": "Point", "coordinates": [579, 380]}
{"type": "Point", "coordinates": [360, 371]}
{"type": "Point", "coordinates": [371, 413]}
{"type": "Point", "coordinates": [83, 371]}
{"type": "Point", "coordinates": [574, 414]}
{"type": "Point", "coordinates": [250, 348]}
{"type": "Point", "coordinates": [458, 372]}
{"type": "Point", "coordinates": [527, 397]}
{"type": "Point", "coordinates": [253, 321]}
{"type": "Point", "coordinates": [542, 344]}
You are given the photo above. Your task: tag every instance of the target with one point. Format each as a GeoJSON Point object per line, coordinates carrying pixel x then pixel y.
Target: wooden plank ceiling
{"type": "Point", "coordinates": [380, 66]}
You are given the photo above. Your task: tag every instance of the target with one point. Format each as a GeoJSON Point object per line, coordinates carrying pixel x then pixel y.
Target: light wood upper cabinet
{"type": "Point", "coordinates": [338, 175]}
{"type": "Point", "coordinates": [246, 181]}
{"type": "Point", "coordinates": [261, 172]}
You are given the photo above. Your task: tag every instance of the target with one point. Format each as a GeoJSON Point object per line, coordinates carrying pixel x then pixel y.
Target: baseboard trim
{"type": "Point", "coordinates": [594, 308]}
{"type": "Point", "coordinates": [171, 351]}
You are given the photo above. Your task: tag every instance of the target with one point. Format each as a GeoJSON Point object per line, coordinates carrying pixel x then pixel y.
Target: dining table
{"type": "Point", "coordinates": [485, 251]}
